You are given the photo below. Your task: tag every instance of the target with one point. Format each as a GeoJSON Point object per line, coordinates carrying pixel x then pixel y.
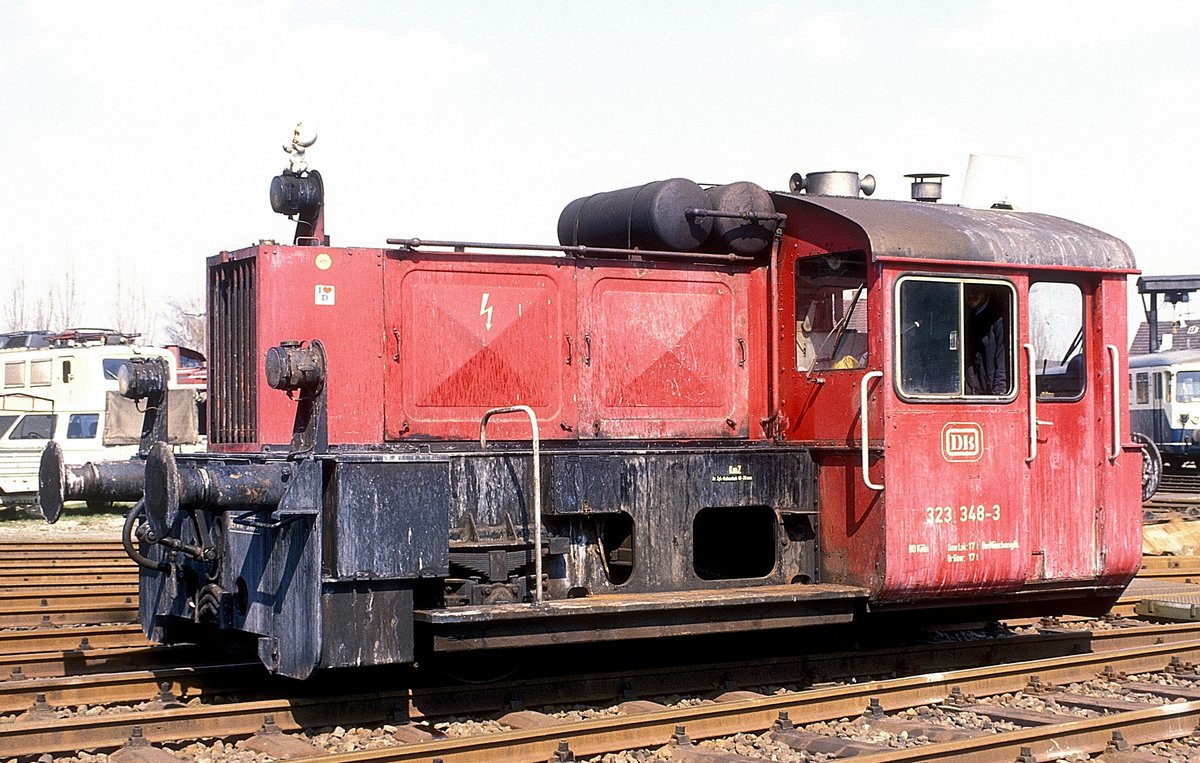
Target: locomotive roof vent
{"type": "Point", "coordinates": [926, 186]}
{"type": "Point", "coordinates": [832, 184]}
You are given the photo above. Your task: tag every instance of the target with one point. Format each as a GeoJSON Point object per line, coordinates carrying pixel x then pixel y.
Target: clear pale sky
{"type": "Point", "coordinates": [139, 138]}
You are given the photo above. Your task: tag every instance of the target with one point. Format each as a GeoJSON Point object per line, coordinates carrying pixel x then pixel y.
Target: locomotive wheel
{"type": "Point", "coordinates": [477, 668]}
{"type": "Point", "coordinates": [1152, 465]}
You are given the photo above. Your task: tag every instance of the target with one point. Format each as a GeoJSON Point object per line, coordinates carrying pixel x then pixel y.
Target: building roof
{"type": "Point", "coordinates": [1184, 335]}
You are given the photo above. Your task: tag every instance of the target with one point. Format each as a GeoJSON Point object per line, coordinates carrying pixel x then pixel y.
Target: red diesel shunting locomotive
{"type": "Point", "coordinates": [705, 409]}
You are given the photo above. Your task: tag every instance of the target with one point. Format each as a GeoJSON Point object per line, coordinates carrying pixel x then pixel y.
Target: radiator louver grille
{"type": "Point", "coordinates": [233, 375]}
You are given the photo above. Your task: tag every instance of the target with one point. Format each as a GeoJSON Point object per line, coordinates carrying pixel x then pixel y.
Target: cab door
{"type": "Point", "coordinates": [954, 437]}
{"type": "Point", "coordinates": [1064, 443]}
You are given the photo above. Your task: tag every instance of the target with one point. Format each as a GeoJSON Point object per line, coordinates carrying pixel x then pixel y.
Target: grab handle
{"type": "Point", "coordinates": [866, 382]}
{"type": "Point", "coordinates": [1033, 420]}
{"type": "Point", "coordinates": [1116, 402]}
{"type": "Point", "coordinates": [537, 486]}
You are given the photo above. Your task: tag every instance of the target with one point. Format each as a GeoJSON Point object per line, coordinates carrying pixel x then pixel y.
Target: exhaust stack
{"type": "Point", "coordinates": [927, 186]}
{"type": "Point", "coordinates": [838, 183]}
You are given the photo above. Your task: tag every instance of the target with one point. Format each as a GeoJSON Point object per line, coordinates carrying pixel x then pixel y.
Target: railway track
{"type": "Point", "coordinates": [110, 670]}
{"type": "Point", "coordinates": [1180, 481]}
{"type": "Point", "coordinates": [1048, 735]}
{"type": "Point", "coordinates": [54, 584]}
{"type": "Point", "coordinates": [1167, 505]}
{"type": "Point", "coordinates": [646, 719]}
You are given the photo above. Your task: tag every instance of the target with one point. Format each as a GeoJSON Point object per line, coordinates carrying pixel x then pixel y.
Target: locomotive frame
{"type": "Point", "coordinates": [446, 446]}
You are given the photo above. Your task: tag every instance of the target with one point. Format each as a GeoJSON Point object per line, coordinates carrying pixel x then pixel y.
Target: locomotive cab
{"type": "Point", "coordinates": [959, 377]}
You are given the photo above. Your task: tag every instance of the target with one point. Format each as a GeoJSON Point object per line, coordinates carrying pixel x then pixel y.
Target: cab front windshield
{"type": "Point", "coordinates": [1187, 386]}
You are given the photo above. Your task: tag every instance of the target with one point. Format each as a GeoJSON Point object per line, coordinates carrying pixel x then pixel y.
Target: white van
{"type": "Point", "coordinates": [63, 387]}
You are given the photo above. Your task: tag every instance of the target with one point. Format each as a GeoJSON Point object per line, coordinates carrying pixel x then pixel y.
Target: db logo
{"type": "Point", "coordinates": [962, 441]}
{"type": "Point", "coordinates": [323, 295]}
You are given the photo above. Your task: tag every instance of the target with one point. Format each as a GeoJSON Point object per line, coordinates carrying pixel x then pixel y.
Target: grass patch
{"type": "Point", "coordinates": [77, 519]}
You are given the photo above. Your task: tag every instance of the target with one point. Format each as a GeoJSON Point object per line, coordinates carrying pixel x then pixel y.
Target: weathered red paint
{"type": "Point", "coordinates": [287, 307]}
{"type": "Point", "coordinates": [951, 525]}
{"type": "Point", "coordinates": [671, 355]}
{"type": "Point", "coordinates": [652, 351]}
{"type": "Point", "coordinates": [421, 347]}
{"type": "Point", "coordinates": [465, 337]}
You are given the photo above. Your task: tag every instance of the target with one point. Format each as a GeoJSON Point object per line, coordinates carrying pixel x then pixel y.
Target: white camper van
{"type": "Point", "coordinates": [63, 387]}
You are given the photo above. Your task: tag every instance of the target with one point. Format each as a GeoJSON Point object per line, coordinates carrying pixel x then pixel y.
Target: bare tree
{"type": "Point", "coordinates": [55, 309]}
{"type": "Point", "coordinates": [62, 301]}
{"type": "Point", "coordinates": [131, 314]}
{"type": "Point", "coordinates": [14, 308]}
{"type": "Point", "coordinates": [184, 323]}
{"type": "Point", "coordinates": [38, 311]}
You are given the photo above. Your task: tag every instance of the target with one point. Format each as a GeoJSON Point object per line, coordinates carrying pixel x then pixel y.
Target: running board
{"type": "Point", "coordinates": [612, 617]}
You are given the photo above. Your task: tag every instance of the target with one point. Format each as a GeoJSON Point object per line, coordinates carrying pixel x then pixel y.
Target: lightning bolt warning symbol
{"type": "Point", "coordinates": [486, 309]}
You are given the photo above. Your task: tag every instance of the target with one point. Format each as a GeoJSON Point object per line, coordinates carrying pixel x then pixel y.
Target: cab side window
{"type": "Point", "coordinates": [831, 312]}
{"type": "Point", "coordinates": [14, 374]}
{"type": "Point", "coordinates": [82, 426]}
{"type": "Point", "coordinates": [34, 426]}
{"type": "Point", "coordinates": [39, 373]}
{"type": "Point", "coordinates": [1142, 382]}
{"type": "Point", "coordinates": [955, 338]}
{"type": "Point", "coordinates": [1056, 331]}
{"type": "Point", "coordinates": [112, 367]}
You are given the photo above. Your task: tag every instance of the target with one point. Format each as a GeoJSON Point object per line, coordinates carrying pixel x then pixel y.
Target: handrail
{"type": "Point", "coordinates": [537, 486]}
{"type": "Point", "coordinates": [1116, 402]}
{"type": "Point", "coordinates": [866, 382]}
{"type": "Point", "coordinates": [1033, 421]}
{"type": "Point", "coordinates": [459, 248]}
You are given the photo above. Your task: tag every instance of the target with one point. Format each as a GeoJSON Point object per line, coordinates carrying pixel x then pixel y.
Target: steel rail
{"type": "Point", "coordinates": [142, 656]}
{"type": "Point", "coordinates": [61, 585]}
{"type": "Point", "coordinates": [597, 737]}
{"type": "Point", "coordinates": [9, 565]}
{"type": "Point", "coordinates": [1060, 740]}
{"type": "Point", "coordinates": [129, 686]}
{"type": "Point", "coordinates": [60, 547]}
{"type": "Point", "coordinates": [1143, 635]}
{"type": "Point", "coordinates": [87, 614]}
{"type": "Point", "coordinates": [22, 594]}
{"type": "Point", "coordinates": [219, 721]}
{"type": "Point", "coordinates": [14, 642]}
{"type": "Point", "coordinates": [1181, 573]}
{"type": "Point", "coordinates": [590, 737]}
{"type": "Point", "coordinates": [13, 603]}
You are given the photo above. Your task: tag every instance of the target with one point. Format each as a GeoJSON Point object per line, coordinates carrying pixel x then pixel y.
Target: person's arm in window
{"type": "Point", "coordinates": [1000, 380]}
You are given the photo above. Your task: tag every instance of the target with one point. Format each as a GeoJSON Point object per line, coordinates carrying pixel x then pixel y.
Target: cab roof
{"type": "Point", "coordinates": [929, 231]}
